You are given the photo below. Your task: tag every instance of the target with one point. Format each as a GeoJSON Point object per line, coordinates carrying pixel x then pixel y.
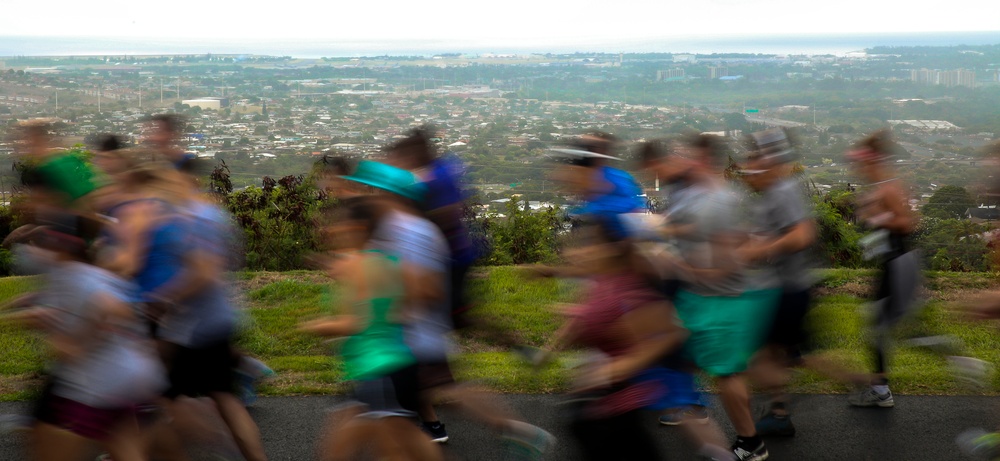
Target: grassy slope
{"type": "Point", "coordinates": [305, 365]}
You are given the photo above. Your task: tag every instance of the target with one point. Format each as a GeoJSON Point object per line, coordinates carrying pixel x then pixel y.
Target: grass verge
{"type": "Point", "coordinates": [276, 302]}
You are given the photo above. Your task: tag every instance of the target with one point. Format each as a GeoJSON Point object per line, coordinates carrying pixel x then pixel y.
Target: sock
{"type": "Point", "coordinates": [748, 443]}
{"type": "Point", "coordinates": [881, 389]}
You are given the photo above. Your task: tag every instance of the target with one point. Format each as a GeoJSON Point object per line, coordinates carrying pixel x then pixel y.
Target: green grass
{"type": "Point", "coordinates": [277, 302]}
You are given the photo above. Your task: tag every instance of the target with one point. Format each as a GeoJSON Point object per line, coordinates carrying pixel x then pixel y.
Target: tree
{"type": "Point", "coordinates": [948, 202]}
{"type": "Point", "coordinates": [953, 245]}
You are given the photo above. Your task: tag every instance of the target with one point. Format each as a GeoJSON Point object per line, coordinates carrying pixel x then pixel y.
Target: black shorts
{"type": "Point", "coordinates": [395, 394]}
{"type": "Point", "coordinates": [197, 372]}
{"type": "Point", "coordinates": [434, 374]}
{"type": "Point", "coordinates": [668, 288]}
{"type": "Point", "coordinates": [458, 298]}
{"type": "Point", "coordinates": [789, 330]}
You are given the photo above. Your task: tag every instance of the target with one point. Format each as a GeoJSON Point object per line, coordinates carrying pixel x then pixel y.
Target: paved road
{"type": "Point", "coordinates": [919, 428]}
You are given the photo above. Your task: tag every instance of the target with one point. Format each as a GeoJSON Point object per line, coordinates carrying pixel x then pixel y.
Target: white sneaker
{"type": "Point", "coordinates": [868, 397]}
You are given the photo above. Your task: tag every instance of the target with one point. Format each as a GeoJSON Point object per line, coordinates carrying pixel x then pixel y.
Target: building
{"type": "Point", "coordinates": [672, 74]}
{"type": "Point", "coordinates": [949, 78]}
{"type": "Point", "coordinates": [204, 103]}
{"type": "Point", "coordinates": [717, 72]}
{"type": "Point", "coordinates": [686, 58]}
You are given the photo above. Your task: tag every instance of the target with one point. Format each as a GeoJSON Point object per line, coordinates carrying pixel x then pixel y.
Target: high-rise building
{"type": "Point", "coordinates": [718, 72]}
{"type": "Point", "coordinates": [949, 78]}
{"type": "Point", "coordinates": [671, 74]}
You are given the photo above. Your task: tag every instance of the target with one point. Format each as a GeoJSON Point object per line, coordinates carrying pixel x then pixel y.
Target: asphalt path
{"type": "Point", "coordinates": [918, 428]}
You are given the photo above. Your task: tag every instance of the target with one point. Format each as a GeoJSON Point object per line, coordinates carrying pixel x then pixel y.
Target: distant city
{"type": "Point", "coordinates": [277, 114]}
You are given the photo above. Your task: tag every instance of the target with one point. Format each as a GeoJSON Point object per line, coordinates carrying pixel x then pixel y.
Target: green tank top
{"type": "Point", "coordinates": [68, 174]}
{"type": "Point", "coordinates": [380, 348]}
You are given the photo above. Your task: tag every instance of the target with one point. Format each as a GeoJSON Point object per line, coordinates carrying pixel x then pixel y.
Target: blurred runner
{"type": "Point", "coordinates": [105, 367]}
{"type": "Point", "coordinates": [631, 327]}
{"type": "Point", "coordinates": [884, 208]}
{"type": "Point", "coordinates": [726, 321]}
{"type": "Point", "coordinates": [424, 255]}
{"type": "Point", "coordinates": [176, 246]}
{"type": "Point", "coordinates": [605, 191]}
{"type": "Point", "coordinates": [782, 230]}
{"type": "Point", "coordinates": [684, 403]}
{"type": "Point", "coordinates": [376, 357]}
{"type": "Point", "coordinates": [162, 134]}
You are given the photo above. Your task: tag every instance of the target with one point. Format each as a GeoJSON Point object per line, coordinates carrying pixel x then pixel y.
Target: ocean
{"type": "Point", "coordinates": [312, 49]}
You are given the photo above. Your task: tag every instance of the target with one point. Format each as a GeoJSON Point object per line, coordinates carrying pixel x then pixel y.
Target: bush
{"type": "Point", "coordinates": [521, 236]}
{"type": "Point", "coordinates": [278, 222]}
{"type": "Point", "coordinates": [837, 242]}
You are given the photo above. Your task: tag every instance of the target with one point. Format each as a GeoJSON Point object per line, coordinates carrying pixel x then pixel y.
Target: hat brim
{"type": "Point", "coordinates": [402, 192]}
{"type": "Point", "coordinates": [580, 153]}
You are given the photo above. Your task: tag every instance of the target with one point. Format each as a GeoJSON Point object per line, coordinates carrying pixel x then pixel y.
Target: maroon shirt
{"type": "Point", "coordinates": [609, 298]}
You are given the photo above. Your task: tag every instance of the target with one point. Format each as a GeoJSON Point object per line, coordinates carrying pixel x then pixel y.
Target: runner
{"type": "Point", "coordinates": [104, 367]}
{"type": "Point", "coordinates": [684, 405]}
{"type": "Point", "coordinates": [376, 357]}
{"type": "Point", "coordinates": [443, 204]}
{"type": "Point", "coordinates": [605, 191]}
{"type": "Point", "coordinates": [883, 207]}
{"type": "Point", "coordinates": [174, 244]}
{"type": "Point", "coordinates": [725, 320]}
{"type": "Point", "coordinates": [402, 231]}
{"type": "Point", "coordinates": [632, 327]}
{"type": "Point", "coordinates": [162, 135]}
{"type": "Point", "coordinates": [782, 230]}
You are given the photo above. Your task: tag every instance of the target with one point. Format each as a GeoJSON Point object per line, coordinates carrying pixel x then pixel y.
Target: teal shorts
{"type": "Point", "coordinates": [725, 331]}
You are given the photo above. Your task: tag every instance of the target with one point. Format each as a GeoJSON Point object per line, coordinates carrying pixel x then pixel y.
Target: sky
{"type": "Point", "coordinates": [513, 22]}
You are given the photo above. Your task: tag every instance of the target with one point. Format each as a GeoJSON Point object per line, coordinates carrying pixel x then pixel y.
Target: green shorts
{"type": "Point", "coordinates": [725, 331]}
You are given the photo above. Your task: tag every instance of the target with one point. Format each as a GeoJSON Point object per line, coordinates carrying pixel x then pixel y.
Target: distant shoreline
{"type": "Point", "coordinates": [11, 46]}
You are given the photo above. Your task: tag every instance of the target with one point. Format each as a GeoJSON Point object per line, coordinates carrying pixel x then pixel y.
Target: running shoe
{"type": "Point", "coordinates": [940, 344]}
{"type": "Point", "coordinates": [436, 431]}
{"type": "Point", "coordinates": [772, 425]}
{"type": "Point", "coordinates": [528, 442]}
{"type": "Point", "coordinates": [970, 372]}
{"type": "Point", "coordinates": [532, 355]}
{"type": "Point", "coordinates": [690, 414]}
{"type": "Point", "coordinates": [979, 444]}
{"type": "Point", "coordinates": [250, 372]}
{"type": "Point", "coordinates": [868, 397]}
{"type": "Point", "coordinates": [757, 454]}
{"type": "Point", "coordinates": [12, 423]}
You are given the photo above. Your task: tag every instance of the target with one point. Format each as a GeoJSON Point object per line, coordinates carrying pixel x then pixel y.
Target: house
{"type": "Point", "coordinates": [983, 213]}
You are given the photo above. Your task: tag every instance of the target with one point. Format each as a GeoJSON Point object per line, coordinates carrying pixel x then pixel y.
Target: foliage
{"type": "Point", "coordinates": [521, 236]}
{"type": "Point", "coordinates": [837, 243]}
{"type": "Point", "coordinates": [953, 245]}
{"type": "Point", "coordinates": [948, 202]}
{"type": "Point", "coordinates": [277, 221]}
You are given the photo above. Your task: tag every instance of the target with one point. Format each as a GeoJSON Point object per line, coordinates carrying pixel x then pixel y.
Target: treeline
{"type": "Point", "coordinates": [279, 219]}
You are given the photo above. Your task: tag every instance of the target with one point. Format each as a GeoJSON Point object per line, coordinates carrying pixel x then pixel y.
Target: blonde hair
{"type": "Point", "coordinates": [160, 180]}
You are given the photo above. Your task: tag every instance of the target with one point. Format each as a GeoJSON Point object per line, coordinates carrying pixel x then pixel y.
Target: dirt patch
{"type": "Point", "coordinates": [301, 383]}
{"type": "Point", "coordinates": [20, 383]}
{"type": "Point", "coordinates": [258, 280]}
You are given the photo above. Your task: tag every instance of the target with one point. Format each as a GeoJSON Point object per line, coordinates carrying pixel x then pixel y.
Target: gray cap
{"type": "Point", "coordinates": [773, 146]}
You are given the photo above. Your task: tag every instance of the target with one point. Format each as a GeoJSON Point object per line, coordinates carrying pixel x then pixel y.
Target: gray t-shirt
{"type": "Point", "coordinates": [118, 366]}
{"type": "Point", "coordinates": [418, 243]}
{"type": "Point", "coordinates": [209, 316]}
{"type": "Point", "coordinates": [774, 213]}
{"type": "Point", "coordinates": [712, 214]}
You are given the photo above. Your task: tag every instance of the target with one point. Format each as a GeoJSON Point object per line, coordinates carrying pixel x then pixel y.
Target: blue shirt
{"type": "Point", "coordinates": [444, 189]}
{"type": "Point", "coordinates": [622, 198]}
{"type": "Point", "coordinates": [164, 256]}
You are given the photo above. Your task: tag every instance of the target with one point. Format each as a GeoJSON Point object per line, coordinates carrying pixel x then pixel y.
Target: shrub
{"type": "Point", "coordinates": [521, 236]}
